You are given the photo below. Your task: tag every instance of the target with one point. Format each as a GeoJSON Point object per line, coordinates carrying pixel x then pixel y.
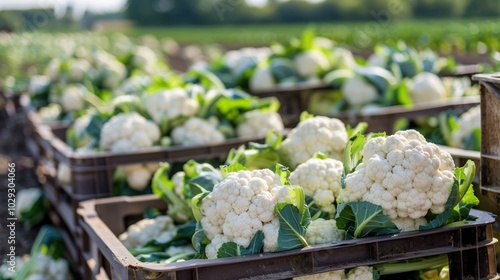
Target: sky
{"type": "Point", "coordinates": [80, 5]}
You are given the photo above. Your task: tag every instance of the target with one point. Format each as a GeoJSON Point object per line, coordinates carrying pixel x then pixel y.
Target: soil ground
{"type": "Point", "coordinates": [13, 150]}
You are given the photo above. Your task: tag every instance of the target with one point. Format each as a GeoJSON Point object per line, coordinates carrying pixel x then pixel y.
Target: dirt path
{"type": "Point", "coordinates": [12, 150]}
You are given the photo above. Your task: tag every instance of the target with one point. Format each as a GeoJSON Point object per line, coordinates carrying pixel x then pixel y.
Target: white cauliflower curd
{"type": "Point", "coordinates": [426, 87]}
{"type": "Point", "coordinates": [196, 132]}
{"type": "Point", "coordinates": [161, 229]}
{"type": "Point", "coordinates": [320, 179]}
{"type": "Point", "coordinates": [170, 104]}
{"type": "Point", "coordinates": [128, 132]}
{"type": "Point", "coordinates": [405, 175]}
{"type": "Point", "coordinates": [318, 134]}
{"type": "Point", "coordinates": [239, 206]}
{"type": "Point", "coordinates": [322, 231]}
{"type": "Point", "coordinates": [258, 123]}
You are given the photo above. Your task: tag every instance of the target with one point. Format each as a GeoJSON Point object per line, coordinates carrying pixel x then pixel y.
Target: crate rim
{"type": "Point", "coordinates": [487, 77]}
{"type": "Point", "coordinates": [89, 220]}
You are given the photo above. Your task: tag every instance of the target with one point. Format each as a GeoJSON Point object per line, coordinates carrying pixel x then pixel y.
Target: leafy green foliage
{"type": "Point", "coordinates": [417, 265]}
{"type": "Point", "coordinates": [184, 234]}
{"type": "Point", "coordinates": [363, 219]}
{"type": "Point", "coordinates": [164, 188]}
{"type": "Point", "coordinates": [198, 178]}
{"type": "Point", "coordinates": [398, 95]}
{"type": "Point", "coordinates": [205, 78]}
{"type": "Point", "coordinates": [154, 249]}
{"type": "Point", "coordinates": [95, 125]}
{"type": "Point", "coordinates": [473, 140]}
{"type": "Point", "coordinates": [360, 128]}
{"type": "Point", "coordinates": [293, 227]}
{"type": "Point", "coordinates": [294, 218]}
{"type": "Point", "coordinates": [282, 68]}
{"type": "Point", "coordinates": [258, 156]}
{"type": "Point", "coordinates": [315, 211]}
{"type": "Point", "coordinates": [165, 258]}
{"type": "Point", "coordinates": [352, 153]}
{"type": "Point", "coordinates": [151, 213]}
{"type": "Point", "coordinates": [284, 173]}
{"type": "Point", "coordinates": [154, 257]}
{"type": "Point", "coordinates": [128, 104]}
{"type": "Point", "coordinates": [379, 77]}
{"type": "Point", "coordinates": [199, 239]}
{"type": "Point", "coordinates": [36, 213]}
{"type": "Point", "coordinates": [232, 249]}
{"type": "Point", "coordinates": [460, 201]}
{"type": "Point", "coordinates": [48, 242]}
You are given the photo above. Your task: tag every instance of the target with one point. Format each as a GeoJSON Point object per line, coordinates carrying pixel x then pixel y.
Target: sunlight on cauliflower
{"type": "Point", "coordinates": [404, 174]}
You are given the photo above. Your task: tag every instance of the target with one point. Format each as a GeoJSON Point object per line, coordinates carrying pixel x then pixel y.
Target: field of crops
{"type": "Point", "coordinates": [443, 35]}
{"type": "Point", "coordinates": [251, 144]}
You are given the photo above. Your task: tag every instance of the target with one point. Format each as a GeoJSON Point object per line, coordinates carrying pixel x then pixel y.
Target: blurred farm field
{"type": "Point", "coordinates": [471, 41]}
{"type": "Point", "coordinates": [476, 35]}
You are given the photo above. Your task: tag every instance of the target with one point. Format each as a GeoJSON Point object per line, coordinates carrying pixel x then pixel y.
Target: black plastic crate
{"type": "Point", "coordinates": [92, 174]}
{"type": "Point", "coordinates": [470, 248]}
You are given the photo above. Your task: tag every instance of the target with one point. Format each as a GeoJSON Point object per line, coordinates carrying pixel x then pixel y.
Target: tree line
{"type": "Point", "coordinates": [197, 12]}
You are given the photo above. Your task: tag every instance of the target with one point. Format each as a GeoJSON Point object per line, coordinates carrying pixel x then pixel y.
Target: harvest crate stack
{"type": "Point", "coordinates": [92, 201]}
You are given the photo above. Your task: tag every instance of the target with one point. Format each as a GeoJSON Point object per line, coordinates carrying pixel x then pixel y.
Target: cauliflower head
{"type": "Point", "coordinates": [170, 104]}
{"type": "Point", "coordinates": [262, 80]}
{"type": "Point", "coordinates": [427, 87]}
{"type": "Point", "coordinates": [113, 73]}
{"type": "Point", "coordinates": [239, 206]}
{"type": "Point", "coordinates": [258, 123]}
{"type": "Point", "coordinates": [320, 179]}
{"type": "Point", "coordinates": [318, 134]}
{"type": "Point", "coordinates": [330, 275]}
{"type": "Point", "coordinates": [72, 98]}
{"type": "Point", "coordinates": [144, 57]}
{"type": "Point", "coordinates": [404, 174]}
{"type": "Point", "coordinates": [78, 69]}
{"type": "Point", "coordinates": [139, 175]}
{"type": "Point", "coordinates": [360, 273]}
{"type": "Point", "coordinates": [127, 132]}
{"type": "Point", "coordinates": [195, 132]}
{"type": "Point", "coordinates": [357, 91]}
{"type": "Point", "coordinates": [322, 231]}
{"type": "Point", "coordinates": [310, 63]}
{"type": "Point", "coordinates": [161, 229]}
{"type": "Point", "coordinates": [467, 122]}
{"type": "Point", "coordinates": [409, 224]}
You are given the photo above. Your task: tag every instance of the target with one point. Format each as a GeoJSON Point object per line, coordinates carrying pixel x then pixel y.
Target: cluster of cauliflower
{"type": "Point", "coordinates": [405, 175]}
{"type": "Point", "coordinates": [238, 60]}
{"type": "Point", "coordinates": [239, 206]}
{"type": "Point", "coordinates": [305, 68]}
